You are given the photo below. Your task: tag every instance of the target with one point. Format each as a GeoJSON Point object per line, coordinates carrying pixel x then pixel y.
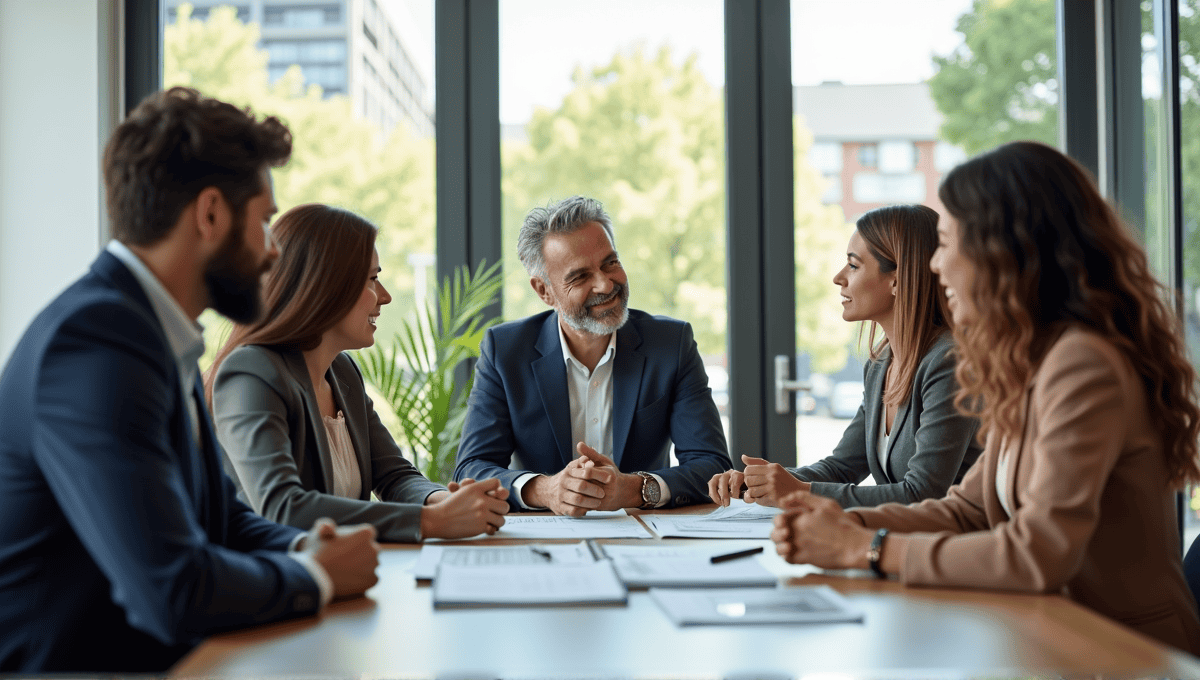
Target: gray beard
{"type": "Point", "coordinates": [582, 321]}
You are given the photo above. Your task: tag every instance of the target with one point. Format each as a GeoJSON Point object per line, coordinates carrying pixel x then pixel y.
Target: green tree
{"type": "Point", "coordinates": [1000, 84]}
{"type": "Point", "coordinates": [644, 134]}
{"type": "Point", "coordinates": [336, 158]}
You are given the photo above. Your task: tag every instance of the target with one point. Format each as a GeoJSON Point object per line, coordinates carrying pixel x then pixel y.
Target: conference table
{"type": "Point", "coordinates": [395, 632]}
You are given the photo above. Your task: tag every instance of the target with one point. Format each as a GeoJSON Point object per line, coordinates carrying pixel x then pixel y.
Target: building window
{"type": "Point", "coordinates": [306, 51]}
{"type": "Point", "coordinates": [825, 157]}
{"type": "Point", "coordinates": [302, 16]}
{"type": "Point", "coordinates": [201, 13]}
{"type": "Point", "coordinates": [868, 155]}
{"type": "Point", "coordinates": [897, 156]}
{"type": "Point", "coordinates": [833, 189]}
{"type": "Point", "coordinates": [871, 187]}
{"type": "Point", "coordinates": [370, 36]}
{"type": "Point", "coordinates": [946, 156]}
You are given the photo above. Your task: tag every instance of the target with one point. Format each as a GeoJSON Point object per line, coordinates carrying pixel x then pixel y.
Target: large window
{"type": "Point", "coordinates": [356, 144]}
{"type": "Point", "coordinates": [918, 87]}
{"type": "Point", "coordinates": [622, 101]}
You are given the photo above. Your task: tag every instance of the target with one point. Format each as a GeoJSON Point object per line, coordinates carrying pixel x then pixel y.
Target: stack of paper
{"type": "Point", "coordinates": [527, 585]}
{"type": "Point", "coordinates": [433, 555]}
{"type": "Point", "coordinates": [805, 604]}
{"type": "Point", "coordinates": [595, 524]}
{"type": "Point", "coordinates": [685, 566]}
{"type": "Point", "coordinates": [739, 520]}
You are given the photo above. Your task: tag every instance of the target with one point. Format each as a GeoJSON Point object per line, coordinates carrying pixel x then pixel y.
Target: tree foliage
{"type": "Point", "coordinates": [336, 158]}
{"type": "Point", "coordinates": [1000, 84]}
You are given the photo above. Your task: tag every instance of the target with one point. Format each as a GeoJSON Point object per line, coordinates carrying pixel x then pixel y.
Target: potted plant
{"type": "Point", "coordinates": [419, 374]}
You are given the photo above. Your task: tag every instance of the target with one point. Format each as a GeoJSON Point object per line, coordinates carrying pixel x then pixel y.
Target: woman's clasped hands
{"type": "Point", "coordinates": [815, 530]}
{"type": "Point", "coordinates": [762, 482]}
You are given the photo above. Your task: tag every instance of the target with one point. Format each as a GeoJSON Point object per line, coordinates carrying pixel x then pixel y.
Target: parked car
{"type": "Point", "coordinates": [845, 399]}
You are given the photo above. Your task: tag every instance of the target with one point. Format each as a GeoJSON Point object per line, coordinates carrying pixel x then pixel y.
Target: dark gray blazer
{"type": "Point", "coordinates": [277, 452]}
{"type": "Point", "coordinates": [930, 448]}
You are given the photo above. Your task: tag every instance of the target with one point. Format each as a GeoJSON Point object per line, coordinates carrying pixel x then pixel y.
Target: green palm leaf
{"type": "Point", "coordinates": [416, 373]}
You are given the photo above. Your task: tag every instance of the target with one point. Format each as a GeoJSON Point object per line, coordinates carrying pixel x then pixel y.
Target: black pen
{"type": "Point", "coordinates": [736, 555]}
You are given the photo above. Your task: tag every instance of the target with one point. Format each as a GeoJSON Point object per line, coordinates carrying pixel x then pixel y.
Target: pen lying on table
{"type": "Point", "coordinates": [735, 555]}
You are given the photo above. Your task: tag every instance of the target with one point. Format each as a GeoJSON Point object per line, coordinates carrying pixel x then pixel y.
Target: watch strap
{"type": "Point", "coordinates": [875, 553]}
{"type": "Point", "coordinates": [647, 501]}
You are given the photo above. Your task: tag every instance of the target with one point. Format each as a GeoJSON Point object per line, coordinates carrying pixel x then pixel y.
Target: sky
{"type": "Point", "coordinates": [542, 41]}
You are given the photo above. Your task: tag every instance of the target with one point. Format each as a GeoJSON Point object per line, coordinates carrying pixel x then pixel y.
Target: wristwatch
{"type": "Point", "coordinates": [651, 493]}
{"type": "Point", "coordinates": [875, 553]}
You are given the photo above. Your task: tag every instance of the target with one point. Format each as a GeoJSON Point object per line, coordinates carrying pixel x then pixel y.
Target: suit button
{"type": "Point", "coordinates": [681, 500]}
{"type": "Point", "coordinates": [304, 602]}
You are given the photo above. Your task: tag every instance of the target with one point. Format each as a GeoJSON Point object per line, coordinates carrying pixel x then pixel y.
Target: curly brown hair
{"type": "Point", "coordinates": [175, 144]}
{"type": "Point", "coordinates": [1049, 252]}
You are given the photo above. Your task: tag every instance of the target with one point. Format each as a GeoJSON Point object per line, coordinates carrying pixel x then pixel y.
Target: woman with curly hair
{"type": "Point", "coordinates": [1077, 371]}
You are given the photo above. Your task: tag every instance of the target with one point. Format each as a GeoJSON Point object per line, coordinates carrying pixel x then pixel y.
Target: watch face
{"type": "Point", "coordinates": [650, 490]}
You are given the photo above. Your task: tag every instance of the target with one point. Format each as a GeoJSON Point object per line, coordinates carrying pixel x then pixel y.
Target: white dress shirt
{"type": "Point", "coordinates": [186, 338]}
{"type": "Point", "coordinates": [590, 394]}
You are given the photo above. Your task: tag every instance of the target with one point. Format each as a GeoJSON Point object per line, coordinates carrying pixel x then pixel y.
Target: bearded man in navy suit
{"type": "Point", "coordinates": [122, 544]}
{"type": "Point", "coordinates": [577, 408]}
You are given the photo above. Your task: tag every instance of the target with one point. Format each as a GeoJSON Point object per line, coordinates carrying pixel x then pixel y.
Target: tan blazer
{"type": "Point", "coordinates": [1093, 517]}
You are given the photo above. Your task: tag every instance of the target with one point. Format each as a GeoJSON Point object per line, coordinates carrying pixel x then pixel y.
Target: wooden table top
{"type": "Point", "coordinates": [916, 632]}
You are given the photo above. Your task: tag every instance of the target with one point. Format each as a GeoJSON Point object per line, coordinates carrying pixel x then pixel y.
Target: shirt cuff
{"type": "Point", "coordinates": [519, 485]}
{"type": "Point", "coordinates": [324, 583]}
{"type": "Point", "coordinates": [664, 491]}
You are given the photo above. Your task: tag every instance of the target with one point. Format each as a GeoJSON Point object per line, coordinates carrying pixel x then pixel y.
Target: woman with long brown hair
{"type": "Point", "coordinates": [1078, 373]}
{"type": "Point", "coordinates": [300, 434]}
{"type": "Point", "coordinates": [907, 434]}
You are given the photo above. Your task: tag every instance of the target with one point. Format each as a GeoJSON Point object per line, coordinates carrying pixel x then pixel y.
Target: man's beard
{"type": "Point", "coordinates": [584, 320]}
{"type": "Point", "coordinates": [232, 279]}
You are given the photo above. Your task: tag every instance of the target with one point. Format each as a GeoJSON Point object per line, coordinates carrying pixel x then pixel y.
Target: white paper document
{"type": "Point", "coordinates": [739, 520]}
{"type": "Point", "coordinates": [535, 554]}
{"type": "Point", "coordinates": [645, 567]}
{"type": "Point", "coordinates": [595, 524]}
{"type": "Point", "coordinates": [804, 604]}
{"type": "Point", "coordinates": [527, 585]}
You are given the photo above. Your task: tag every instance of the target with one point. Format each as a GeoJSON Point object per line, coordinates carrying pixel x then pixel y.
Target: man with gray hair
{"type": "Point", "coordinates": [576, 408]}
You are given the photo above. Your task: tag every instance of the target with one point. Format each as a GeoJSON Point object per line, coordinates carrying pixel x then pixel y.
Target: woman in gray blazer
{"type": "Point", "coordinates": [301, 437]}
{"type": "Point", "coordinates": [907, 434]}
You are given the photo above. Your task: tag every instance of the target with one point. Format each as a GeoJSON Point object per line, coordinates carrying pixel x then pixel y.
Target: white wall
{"type": "Point", "coordinates": [55, 106]}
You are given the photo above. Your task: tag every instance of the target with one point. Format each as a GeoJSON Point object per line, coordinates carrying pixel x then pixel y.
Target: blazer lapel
{"type": "Point", "coordinates": [1015, 452]}
{"type": "Point", "coordinates": [205, 464]}
{"type": "Point", "coordinates": [299, 369]}
{"type": "Point", "coordinates": [628, 366]}
{"type": "Point", "coordinates": [872, 402]}
{"type": "Point", "coordinates": [356, 428]}
{"type": "Point", "coordinates": [897, 426]}
{"type": "Point", "coordinates": [550, 372]}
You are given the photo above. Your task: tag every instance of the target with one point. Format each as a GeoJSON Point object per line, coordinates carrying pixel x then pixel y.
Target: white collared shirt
{"type": "Point", "coordinates": [590, 394]}
{"type": "Point", "coordinates": [186, 338]}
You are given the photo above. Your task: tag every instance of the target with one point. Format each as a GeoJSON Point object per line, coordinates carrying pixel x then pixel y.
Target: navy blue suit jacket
{"type": "Point", "coordinates": [121, 543]}
{"type": "Point", "coordinates": [519, 415]}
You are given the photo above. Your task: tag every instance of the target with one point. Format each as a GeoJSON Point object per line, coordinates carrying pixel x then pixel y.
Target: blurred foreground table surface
{"type": "Point", "coordinates": [906, 632]}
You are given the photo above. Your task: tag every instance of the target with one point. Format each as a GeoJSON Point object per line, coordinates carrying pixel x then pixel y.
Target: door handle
{"type": "Point", "coordinates": [784, 385]}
